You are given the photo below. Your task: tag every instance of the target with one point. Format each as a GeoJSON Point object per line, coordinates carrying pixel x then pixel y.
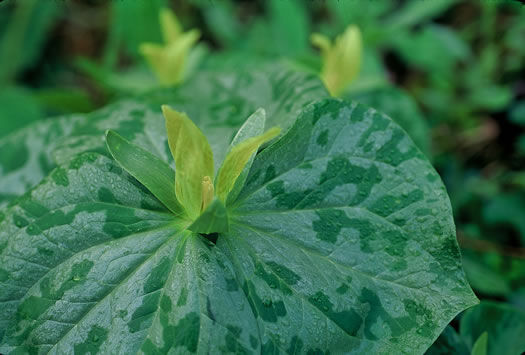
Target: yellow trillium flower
{"type": "Point", "coordinates": [195, 187]}
{"type": "Point", "coordinates": [341, 60]}
{"type": "Point", "coordinates": [168, 60]}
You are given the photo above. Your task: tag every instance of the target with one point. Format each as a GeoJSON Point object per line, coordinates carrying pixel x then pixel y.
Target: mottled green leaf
{"type": "Point", "coordinates": [155, 174]}
{"type": "Point", "coordinates": [402, 108]}
{"type": "Point", "coordinates": [91, 262]}
{"type": "Point", "coordinates": [345, 222]}
{"type": "Point", "coordinates": [341, 241]}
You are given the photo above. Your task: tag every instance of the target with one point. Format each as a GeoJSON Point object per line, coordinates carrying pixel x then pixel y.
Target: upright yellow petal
{"type": "Point", "coordinates": [341, 60]}
{"type": "Point", "coordinates": [170, 26]}
{"type": "Point", "coordinates": [176, 56]}
{"type": "Point", "coordinates": [168, 61]}
{"type": "Point", "coordinates": [236, 160]}
{"type": "Point", "coordinates": [193, 160]}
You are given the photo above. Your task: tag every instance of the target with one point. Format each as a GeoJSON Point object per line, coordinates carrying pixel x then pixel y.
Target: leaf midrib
{"type": "Point", "coordinates": [121, 283]}
{"type": "Point", "coordinates": [307, 301]}
{"type": "Point", "coordinates": [93, 247]}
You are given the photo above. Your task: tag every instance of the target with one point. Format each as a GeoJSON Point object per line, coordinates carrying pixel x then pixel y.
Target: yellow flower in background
{"type": "Point", "coordinates": [168, 60]}
{"type": "Point", "coordinates": [341, 60]}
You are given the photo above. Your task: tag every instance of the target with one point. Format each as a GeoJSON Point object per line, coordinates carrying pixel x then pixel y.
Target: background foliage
{"type": "Point", "coordinates": [450, 72]}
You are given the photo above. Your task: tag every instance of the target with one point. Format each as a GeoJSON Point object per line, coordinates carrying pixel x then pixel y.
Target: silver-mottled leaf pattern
{"type": "Point", "coordinates": [342, 241]}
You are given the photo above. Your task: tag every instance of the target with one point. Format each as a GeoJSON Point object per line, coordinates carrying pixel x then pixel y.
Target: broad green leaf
{"type": "Point", "coordinates": [342, 240]}
{"type": "Point", "coordinates": [448, 343]}
{"type": "Point", "coordinates": [193, 159]}
{"type": "Point", "coordinates": [27, 155]}
{"type": "Point", "coordinates": [402, 108]}
{"type": "Point", "coordinates": [218, 102]}
{"type": "Point", "coordinates": [213, 220]}
{"type": "Point", "coordinates": [344, 222]}
{"type": "Point", "coordinates": [480, 346]}
{"type": "Point", "coordinates": [236, 161]}
{"type": "Point", "coordinates": [504, 324]}
{"type": "Point", "coordinates": [90, 255]}
{"type": "Point", "coordinates": [155, 174]}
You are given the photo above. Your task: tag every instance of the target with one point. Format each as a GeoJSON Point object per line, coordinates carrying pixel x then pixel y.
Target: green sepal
{"type": "Point", "coordinates": [238, 157]}
{"type": "Point", "coordinates": [150, 171]}
{"type": "Point", "coordinates": [213, 220]}
{"type": "Point", "coordinates": [253, 127]}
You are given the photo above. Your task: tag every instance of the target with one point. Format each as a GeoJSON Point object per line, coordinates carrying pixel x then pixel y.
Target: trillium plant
{"type": "Point", "coordinates": [190, 193]}
{"type": "Point", "coordinates": [244, 211]}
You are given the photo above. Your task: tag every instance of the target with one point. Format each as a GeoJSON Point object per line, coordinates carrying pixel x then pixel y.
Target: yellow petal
{"type": "Point", "coordinates": [237, 159]}
{"type": "Point", "coordinates": [158, 61]}
{"type": "Point", "coordinates": [176, 56]}
{"type": "Point", "coordinates": [170, 26]}
{"type": "Point", "coordinates": [168, 61]}
{"type": "Point", "coordinates": [193, 159]}
{"type": "Point", "coordinates": [341, 60]}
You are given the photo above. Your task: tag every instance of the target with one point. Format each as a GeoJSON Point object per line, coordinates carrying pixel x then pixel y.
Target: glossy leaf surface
{"type": "Point", "coordinates": [342, 240]}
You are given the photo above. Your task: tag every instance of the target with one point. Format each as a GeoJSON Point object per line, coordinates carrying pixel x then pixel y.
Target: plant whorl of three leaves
{"type": "Point", "coordinates": [193, 185]}
{"type": "Point", "coordinates": [340, 240]}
